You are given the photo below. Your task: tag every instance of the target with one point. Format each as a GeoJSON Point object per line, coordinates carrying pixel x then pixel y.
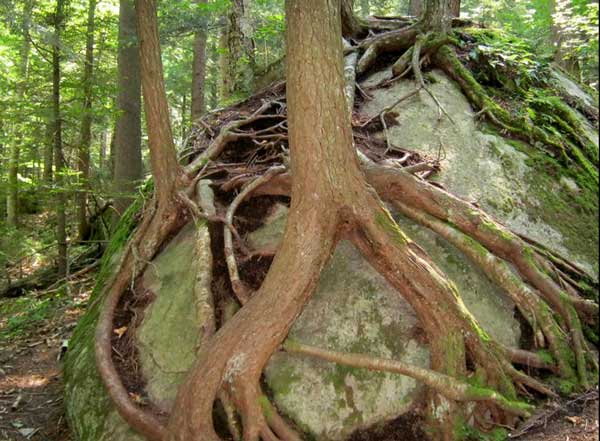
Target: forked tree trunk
{"type": "Point", "coordinates": [127, 141]}
{"type": "Point", "coordinates": [331, 200]}
{"type": "Point", "coordinates": [199, 70]}
{"type": "Point", "coordinates": [83, 163]}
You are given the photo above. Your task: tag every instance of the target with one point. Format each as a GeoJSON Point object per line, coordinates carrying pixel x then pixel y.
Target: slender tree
{"type": "Point", "coordinates": [83, 163]}
{"type": "Point", "coordinates": [237, 51]}
{"type": "Point", "coordinates": [59, 160]}
{"type": "Point", "coordinates": [199, 70]}
{"type": "Point", "coordinates": [12, 199]}
{"type": "Point", "coordinates": [127, 142]}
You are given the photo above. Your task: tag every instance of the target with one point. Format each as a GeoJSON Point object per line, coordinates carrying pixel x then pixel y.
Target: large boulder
{"type": "Point", "coordinates": [354, 309]}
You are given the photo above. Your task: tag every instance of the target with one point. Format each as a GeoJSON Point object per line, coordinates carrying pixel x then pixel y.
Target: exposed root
{"type": "Point", "coordinates": [395, 185]}
{"type": "Point", "coordinates": [239, 287]}
{"type": "Point", "coordinates": [445, 385]}
{"type": "Point", "coordinates": [393, 41]}
{"type": "Point", "coordinates": [157, 224]}
{"type": "Point", "coordinates": [535, 310]}
{"type": "Point", "coordinates": [227, 135]}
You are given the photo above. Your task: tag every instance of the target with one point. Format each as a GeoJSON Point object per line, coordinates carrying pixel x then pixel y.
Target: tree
{"type": "Point", "coordinates": [59, 160]}
{"type": "Point", "coordinates": [128, 131]}
{"type": "Point", "coordinates": [12, 199]}
{"type": "Point", "coordinates": [415, 7]}
{"type": "Point", "coordinates": [199, 71]}
{"type": "Point", "coordinates": [337, 193]}
{"type": "Point", "coordinates": [237, 51]}
{"type": "Point", "coordinates": [83, 162]}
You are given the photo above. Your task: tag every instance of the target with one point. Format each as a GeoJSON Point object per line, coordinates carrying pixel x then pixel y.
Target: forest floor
{"type": "Point", "coordinates": [34, 328]}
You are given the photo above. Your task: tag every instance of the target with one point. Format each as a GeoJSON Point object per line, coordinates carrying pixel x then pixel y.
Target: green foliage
{"type": "Point", "coordinates": [505, 59]}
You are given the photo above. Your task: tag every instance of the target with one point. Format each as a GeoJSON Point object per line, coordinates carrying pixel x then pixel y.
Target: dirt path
{"type": "Point", "coordinates": [32, 332]}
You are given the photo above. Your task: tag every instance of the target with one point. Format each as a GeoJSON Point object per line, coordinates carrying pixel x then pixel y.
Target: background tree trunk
{"type": "Point", "coordinates": [351, 24]}
{"type": "Point", "coordinates": [59, 162]}
{"type": "Point", "coordinates": [415, 7]}
{"type": "Point", "coordinates": [199, 70]}
{"type": "Point", "coordinates": [83, 163]}
{"type": "Point", "coordinates": [12, 199]}
{"type": "Point", "coordinates": [127, 140]}
{"type": "Point", "coordinates": [237, 51]}
{"type": "Point", "coordinates": [455, 8]}
{"type": "Point", "coordinates": [437, 16]}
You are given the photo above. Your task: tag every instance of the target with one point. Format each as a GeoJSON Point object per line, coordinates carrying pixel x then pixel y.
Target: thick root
{"type": "Point", "coordinates": [445, 385]}
{"type": "Point", "coordinates": [395, 185]}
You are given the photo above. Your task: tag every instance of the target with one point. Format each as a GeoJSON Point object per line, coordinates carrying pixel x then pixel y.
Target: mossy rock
{"type": "Point", "coordinates": [179, 279]}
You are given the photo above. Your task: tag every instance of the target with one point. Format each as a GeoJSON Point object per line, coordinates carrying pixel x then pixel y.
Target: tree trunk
{"type": "Point", "coordinates": [127, 148]}
{"type": "Point", "coordinates": [48, 152]}
{"type": "Point", "coordinates": [415, 7]}
{"type": "Point", "coordinates": [59, 162]}
{"type": "Point", "coordinates": [324, 166]}
{"type": "Point", "coordinates": [455, 8]}
{"type": "Point", "coordinates": [199, 71]}
{"type": "Point", "coordinates": [83, 163]}
{"type": "Point", "coordinates": [437, 16]}
{"type": "Point", "coordinates": [163, 158]}
{"type": "Point", "coordinates": [237, 52]}
{"type": "Point", "coordinates": [12, 199]}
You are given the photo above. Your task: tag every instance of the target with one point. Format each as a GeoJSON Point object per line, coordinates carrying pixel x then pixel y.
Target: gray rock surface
{"type": "Point", "coordinates": [355, 310]}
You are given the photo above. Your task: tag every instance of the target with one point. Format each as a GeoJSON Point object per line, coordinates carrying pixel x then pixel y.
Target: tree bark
{"type": "Point", "coordinates": [127, 142]}
{"type": "Point", "coordinates": [415, 7]}
{"type": "Point", "coordinates": [83, 163]}
{"type": "Point", "coordinates": [455, 8]}
{"type": "Point", "coordinates": [237, 52]}
{"type": "Point", "coordinates": [437, 16]}
{"type": "Point", "coordinates": [199, 70]}
{"type": "Point", "coordinates": [163, 157]}
{"type": "Point", "coordinates": [12, 199]}
{"type": "Point", "coordinates": [59, 162]}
